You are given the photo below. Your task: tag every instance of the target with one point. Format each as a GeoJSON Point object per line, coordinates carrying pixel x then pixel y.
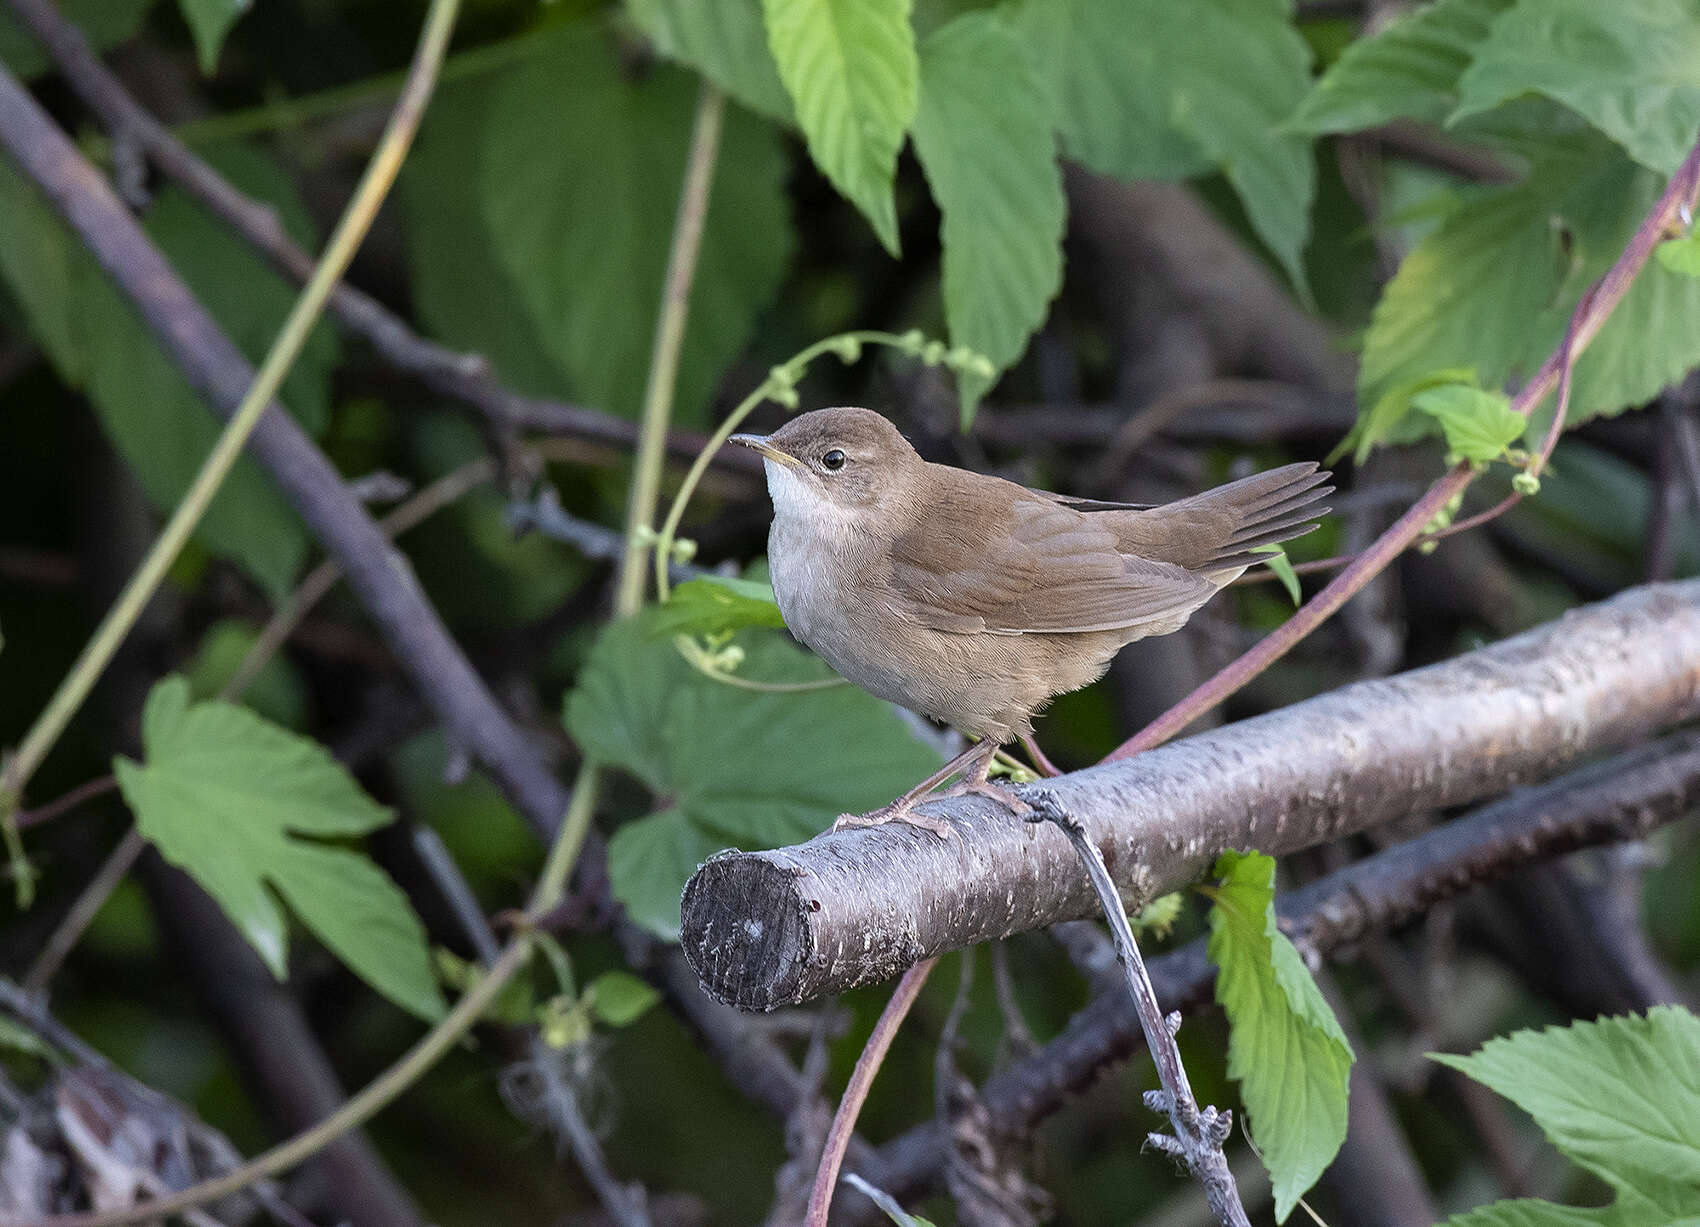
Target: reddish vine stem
{"type": "Point", "coordinates": [856, 1093]}
{"type": "Point", "coordinates": [1590, 316]}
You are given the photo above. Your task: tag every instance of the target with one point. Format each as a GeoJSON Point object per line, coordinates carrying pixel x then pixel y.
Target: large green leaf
{"type": "Point", "coordinates": [1620, 1097]}
{"type": "Point", "coordinates": [1285, 1045]}
{"type": "Point", "coordinates": [226, 795]}
{"type": "Point", "coordinates": [1493, 287]}
{"type": "Point", "coordinates": [735, 766]}
{"type": "Point", "coordinates": [105, 23]}
{"type": "Point", "coordinates": [157, 422]}
{"type": "Point", "coordinates": [1409, 70]}
{"type": "Point", "coordinates": [850, 68]}
{"type": "Point", "coordinates": [1630, 67]}
{"type": "Point", "coordinates": [984, 138]}
{"type": "Point", "coordinates": [726, 41]}
{"type": "Point", "coordinates": [579, 169]}
{"type": "Point", "coordinates": [464, 294]}
{"type": "Point", "coordinates": [209, 21]}
{"type": "Point", "coordinates": [1155, 89]}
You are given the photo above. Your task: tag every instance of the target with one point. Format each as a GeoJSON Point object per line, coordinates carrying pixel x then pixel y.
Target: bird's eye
{"type": "Point", "coordinates": [833, 460]}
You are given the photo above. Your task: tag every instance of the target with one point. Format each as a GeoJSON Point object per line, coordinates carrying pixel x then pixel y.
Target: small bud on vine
{"type": "Point", "coordinates": [684, 549]}
{"type": "Point", "coordinates": [912, 342]}
{"type": "Point", "coordinates": [1526, 483]}
{"type": "Point", "coordinates": [933, 352]}
{"type": "Point", "coordinates": [848, 349]}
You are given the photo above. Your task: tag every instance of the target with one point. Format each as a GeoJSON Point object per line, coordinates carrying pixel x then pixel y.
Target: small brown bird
{"type": "Point", "coordinates": [974, 600]}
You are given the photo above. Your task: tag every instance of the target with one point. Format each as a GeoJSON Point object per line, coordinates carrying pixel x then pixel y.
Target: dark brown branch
{"type": "Point", "coordinates": [765, 929]}
{"type": "Point", "coordinates": [449, 373]}
{"type": "Point", "coordinates": [379, 574]}
{"type": "Point", "coordinates": [1621, 798]}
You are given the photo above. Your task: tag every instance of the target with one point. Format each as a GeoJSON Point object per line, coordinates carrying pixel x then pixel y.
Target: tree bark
{"type": "Point", "coordinates": [766, 929]}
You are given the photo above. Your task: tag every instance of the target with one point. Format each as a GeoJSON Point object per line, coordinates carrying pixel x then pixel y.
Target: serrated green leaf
{"type": "Point", "coordinates": [620, 998]}
{"type": "Point", "coordinates": [104, 23]}
{"type": "Point", "coordinates": [157, 422]}
{"type": "Point", "coordinates": [580, 215]}
{"type": "Point", "coordinates": [1285, 1046]}
{"type": "Point", "coordinates": [753, 769]}
{"type": "Point", "coordinates": [985, 142]}
{"type": "Point", "coordinates": [1618, 1096]}
{"type": "Point", "coordinates": [1493, 288]}
{"type": "Point", "coordinates": [1155, 89]}
{"type": "Point", "coordinates": [1407, 70]}
{"type": "Point", "coordinates": [715, 604]}
{"type": "Point", "coordinates": [1627, 67]}
{"type": "Point", "coordinates": [226, 796]}
{"type": "Point", "coordinates": [209, 22]}
{"type": "Point", "coordinates": [1278, 562]}
{"type": "Point", "coordinates": [725, 41]}
{"type": "Point", "coordinates": [1680, 255]}
{"type": "Point", "coordinates": [1478, 425]}
{"type": "Point", "coordinates": [1390, 410]}
{"type": "Point", "coordinates": [850, 68]}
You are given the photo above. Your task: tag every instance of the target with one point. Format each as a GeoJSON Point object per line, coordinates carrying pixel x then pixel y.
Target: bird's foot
{"type": "Point", "coordinates": [992, 792]}
{"type": "Point", "coordinates": [901, 810]}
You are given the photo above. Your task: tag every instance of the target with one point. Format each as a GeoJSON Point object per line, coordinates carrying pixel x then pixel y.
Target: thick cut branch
{"type": "Point", "coordinates": [1624, 797]}
{"type": "Point", "coordinates": [772, 928]}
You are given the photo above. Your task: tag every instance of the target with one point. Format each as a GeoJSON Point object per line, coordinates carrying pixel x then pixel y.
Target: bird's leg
{"type": "Point", "coordinates": [972, 765]}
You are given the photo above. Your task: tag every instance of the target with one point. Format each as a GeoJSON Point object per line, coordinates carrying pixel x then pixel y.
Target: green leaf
{"type": "Point", "coordinates": [1155, 89]}
{"type": "Point", "coordinates": [1619, 1096]}
{"type": "Point", "coordinates": [1478, 425]}
{"type": "Point", "coordinates": [580, 215]}
{"type": "Point", "coordinates": [104, 23]}
{"type": "Point", "coordinates": [157, 422]}
{"type": "Point", "coordinates": [735, 767]}
{"type": "Point", "coordinates": [1285, 1046]}
{"type": "Point", "coordinates": [1408, 70]}
{"type": "Point", "coordinates": [1627, 67]}
{"type": "Point", "coordinates": [620, 998]}
{"type": "Point", "coordinates": [1680, 255]}
{"type": "Point", "coordinates": [225, 795]}
{"type": "Point", "coordinates": [209, 21]}
{"type": "Point", "coordinates": [985, 142]}
{"type": "Point", "coordinates": [464, 294]}
{"type": "Point", "coordinates": [715, 604]}
{"type": "Point", "coordinates": [1390, 409]}
{"type": "Point", "coordinates": [850, 68]}
{"type": "Point", "coordinates": [726, 41]}
{"type": "Point", "coordinates": [1279, 563]}
{"type": "Point", "coordinates": [1493, 287]}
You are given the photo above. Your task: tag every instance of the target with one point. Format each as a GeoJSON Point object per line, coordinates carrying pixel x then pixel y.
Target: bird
{"type": "Point", "coordinates": [975, 601]}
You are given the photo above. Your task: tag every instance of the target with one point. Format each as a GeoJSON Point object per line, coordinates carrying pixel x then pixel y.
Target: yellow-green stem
{"type": "Point", "coordinates": [664, 358]}
{"type": "Point", "coordinates": [356, 220]}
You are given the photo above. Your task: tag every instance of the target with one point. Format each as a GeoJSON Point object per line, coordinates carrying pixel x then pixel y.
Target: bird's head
{"type": "Point", "coordinates": [846, 464]}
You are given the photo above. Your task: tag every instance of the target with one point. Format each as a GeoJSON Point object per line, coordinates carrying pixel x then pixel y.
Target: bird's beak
{"type": "Point", "coordinates": [759, 443]}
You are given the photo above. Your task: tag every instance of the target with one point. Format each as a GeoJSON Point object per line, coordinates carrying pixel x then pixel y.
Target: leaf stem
{"type": "Point", "coordinates": [351, 229]}
{"type": "Point", "coordinates": [669, 336]}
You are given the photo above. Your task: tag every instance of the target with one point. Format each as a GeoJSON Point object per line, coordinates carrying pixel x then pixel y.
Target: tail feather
{"type": "Point", "coordinates": [1221, 529]}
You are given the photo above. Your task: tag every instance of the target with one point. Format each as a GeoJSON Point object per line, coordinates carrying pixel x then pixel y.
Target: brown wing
{"type": "Point", "coordinates": [1021, 563]}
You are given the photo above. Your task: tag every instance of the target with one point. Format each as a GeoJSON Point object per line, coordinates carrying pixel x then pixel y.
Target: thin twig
{"type": "Point", "coordinates": [856, 1093]}
{"type": "Point", "coordinates": [1198, 1132]}
{"type": "Point", "coordinates": [69, 931]}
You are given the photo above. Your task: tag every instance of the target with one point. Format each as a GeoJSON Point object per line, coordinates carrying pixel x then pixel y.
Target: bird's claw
{"type": "Point", "coordinates": [895, 812]}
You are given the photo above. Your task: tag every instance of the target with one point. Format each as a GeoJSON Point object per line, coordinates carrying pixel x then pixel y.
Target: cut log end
{"type": "Point", "coordinates": [745, 930]}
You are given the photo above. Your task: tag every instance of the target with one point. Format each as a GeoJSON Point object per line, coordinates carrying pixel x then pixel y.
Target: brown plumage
{"type": "Point", "coordinates": [974, 600]}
